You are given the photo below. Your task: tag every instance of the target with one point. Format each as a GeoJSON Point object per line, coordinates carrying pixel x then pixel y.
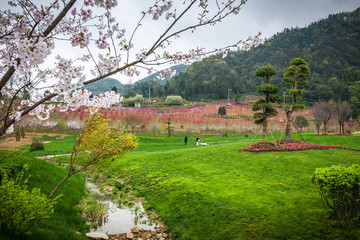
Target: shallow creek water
{"type": "Point", "coordinates": [120, 218]}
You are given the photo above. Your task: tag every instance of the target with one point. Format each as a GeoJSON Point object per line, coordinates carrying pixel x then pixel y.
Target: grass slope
{"type": "Point", "coordinates": [65, 221]}
{"type": "Point", "coordinates": [216, 192]}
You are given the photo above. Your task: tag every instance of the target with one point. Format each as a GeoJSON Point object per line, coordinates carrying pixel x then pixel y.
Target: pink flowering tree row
{"type": "Point", "coordinates": [34, 38]}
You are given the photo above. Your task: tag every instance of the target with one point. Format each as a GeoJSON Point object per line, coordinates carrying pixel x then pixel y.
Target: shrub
{"type": "Point", "coordinates": [130, 101]}
{"type": "Point", "coordinates": [301, 122]}
{"type": "Point", "coordinates": [222, 111]}
{"type": "Point", "coordinates": [20, 209]}
{"type": "Point", "coordinates": [119, 185]}
{"type": "Point", "coordinates": [174, 100]}
{"type": "Point", "coordinates": [36, 146]}
{"type": "Point", "coordinates": [339, 190]}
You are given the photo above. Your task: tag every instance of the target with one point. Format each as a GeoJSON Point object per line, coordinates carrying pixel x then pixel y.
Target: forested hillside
{"type": "Point", "coordinates": [105, 85]}
{"type": "Point", "coordinates": [330, 46]}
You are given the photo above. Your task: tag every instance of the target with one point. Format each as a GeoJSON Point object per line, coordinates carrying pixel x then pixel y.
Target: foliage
{"type": "Point", "coordinates": [65, 221]}
{"type": "Point", "coordinates": [295, 75]}
{"type": "Point", "coordinates": [264, 105]}
{"type": "Point", "coordinates": [93, 210]}
{"type": "Point", "coordinates": [36, 146]}
{"type": "Point", "coordinates": [320, 44]}
{"type": "Point", "coordinates": [134, 120]}
{"type": "Point", "coordinates": [301, 122]}
{"type": "Point", "coordinates": [21, 209]}
{"type": "Point", "coordinates": [339, 188]}
{"type": "Point", "coordinates": [170, 128]}
{"type": "Point", "coordinates": [174, 100]}
{"type": "Point", "coordinates": [97, 141]}
{"type": "Point", "coordinates": [222, 111]}
{"type": "Point", "coordinates": [130, 101]}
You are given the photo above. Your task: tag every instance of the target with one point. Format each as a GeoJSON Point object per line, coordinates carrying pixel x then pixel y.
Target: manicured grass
{"type": "Point", "coordinates": [55, 147]}
{"type": "Point", "coordinates": [216, 192]}
{"type": "Point", "coordinates": [65, 221]}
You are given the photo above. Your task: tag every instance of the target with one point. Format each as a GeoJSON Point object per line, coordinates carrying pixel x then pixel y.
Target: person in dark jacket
{"type": "Point", "coordinates": [185, 140]}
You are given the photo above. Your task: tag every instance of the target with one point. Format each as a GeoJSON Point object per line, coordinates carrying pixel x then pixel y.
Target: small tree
{"type": "Point", "coordinates": [323, 112]}
{"type": "Point", "coordinates": [97, 141]}
{"type": "Point", "coordinates": [170, 129]}
{"type": "Point", "coordinates": [264, 105]}
{"type": "Point", "coordinates": [301, 122]}
{"type": "Point", "coordinates": [135, 120]}
{"type": "Point", "coordinates": [317, 123]}
{"type": "Point", "coordinates": [342, 112]}
{"type": "Point", "coordinates": [114, 89]}
{"type": "Point", "coordinates": [222, 111]}
{"type": "Point", "coordinates": [295, 75]}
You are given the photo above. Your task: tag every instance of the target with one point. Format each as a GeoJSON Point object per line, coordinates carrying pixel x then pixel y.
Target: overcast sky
{"type": "Point", "coordinates": [266, 16]}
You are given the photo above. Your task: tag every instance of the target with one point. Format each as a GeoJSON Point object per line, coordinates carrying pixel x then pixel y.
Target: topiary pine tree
{"type": "Point", "coordinates": [264, 105]}
{"type": "Point", "coordinates": [295, 75]}
{"type": "Point", "coordinates": [222, 111]}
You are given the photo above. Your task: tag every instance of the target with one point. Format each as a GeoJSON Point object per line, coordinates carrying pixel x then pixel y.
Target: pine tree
{"type": "Point", "coordinates": [297, 71]}
{"type": "Point", "coordinates": [264, 105]}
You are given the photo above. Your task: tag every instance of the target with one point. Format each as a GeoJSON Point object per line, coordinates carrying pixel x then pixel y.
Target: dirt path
{"type": "Point", "coordinates": [11, 143]}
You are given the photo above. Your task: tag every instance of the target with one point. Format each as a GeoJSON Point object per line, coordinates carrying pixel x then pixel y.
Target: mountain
{"type": "Point", "coordinates": [156, 85]}
{"type": "Point", "coordinates": [105, 85]}
{"type": "Point", "coordinates": [330, 46]}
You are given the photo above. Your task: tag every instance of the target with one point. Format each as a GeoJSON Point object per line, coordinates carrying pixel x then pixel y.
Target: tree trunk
{"type": "Point", "coordinates": [325, 128]}
{"type": "Point", "coordinates": [265, 124]}
{"type": "Point", "coordinates": [59, 184]}
{"type": "Point", "coordinates": [288, 125]}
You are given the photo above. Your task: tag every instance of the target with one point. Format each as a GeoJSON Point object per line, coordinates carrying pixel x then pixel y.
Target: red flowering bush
{"type": "Point", "coordinates": [284, 145]}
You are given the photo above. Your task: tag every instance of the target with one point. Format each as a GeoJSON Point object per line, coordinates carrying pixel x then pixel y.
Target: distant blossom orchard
{"type": "Point", "coordinates": [32, 33]}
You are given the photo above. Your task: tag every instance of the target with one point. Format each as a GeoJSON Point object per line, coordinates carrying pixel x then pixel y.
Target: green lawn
{"type": "Point", "coordinates": [217, 192]}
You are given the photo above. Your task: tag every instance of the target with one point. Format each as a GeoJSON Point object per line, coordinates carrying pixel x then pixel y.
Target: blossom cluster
{"type": "Point", "coordinates": [284, 145]}
{"type": "Point", "coordinates": [80, 98]}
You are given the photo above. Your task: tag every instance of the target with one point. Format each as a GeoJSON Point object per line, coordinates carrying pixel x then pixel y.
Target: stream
{"type": "Point", "coordinates": [120, 218]}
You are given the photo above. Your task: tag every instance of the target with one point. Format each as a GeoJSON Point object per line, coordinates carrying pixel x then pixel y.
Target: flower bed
{"type": "Point", "coordinates": [287, 145]}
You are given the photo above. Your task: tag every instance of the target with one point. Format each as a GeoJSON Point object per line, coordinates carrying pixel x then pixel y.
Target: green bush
{"type": "Point", "coordinates": [119, 185]}
{"type": "Point", "coordinates": [222, 111]}
{"type": "Point", "coordinates": [174, 100]}
{"type": "Point", "coordinates": [36, 146]}
{"type": "Point", "coordinates": [20, 209]}
{"type": "Point", "coordinates": [130, 101]}
{"type": "Point", "coordinates": [339, 190]}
